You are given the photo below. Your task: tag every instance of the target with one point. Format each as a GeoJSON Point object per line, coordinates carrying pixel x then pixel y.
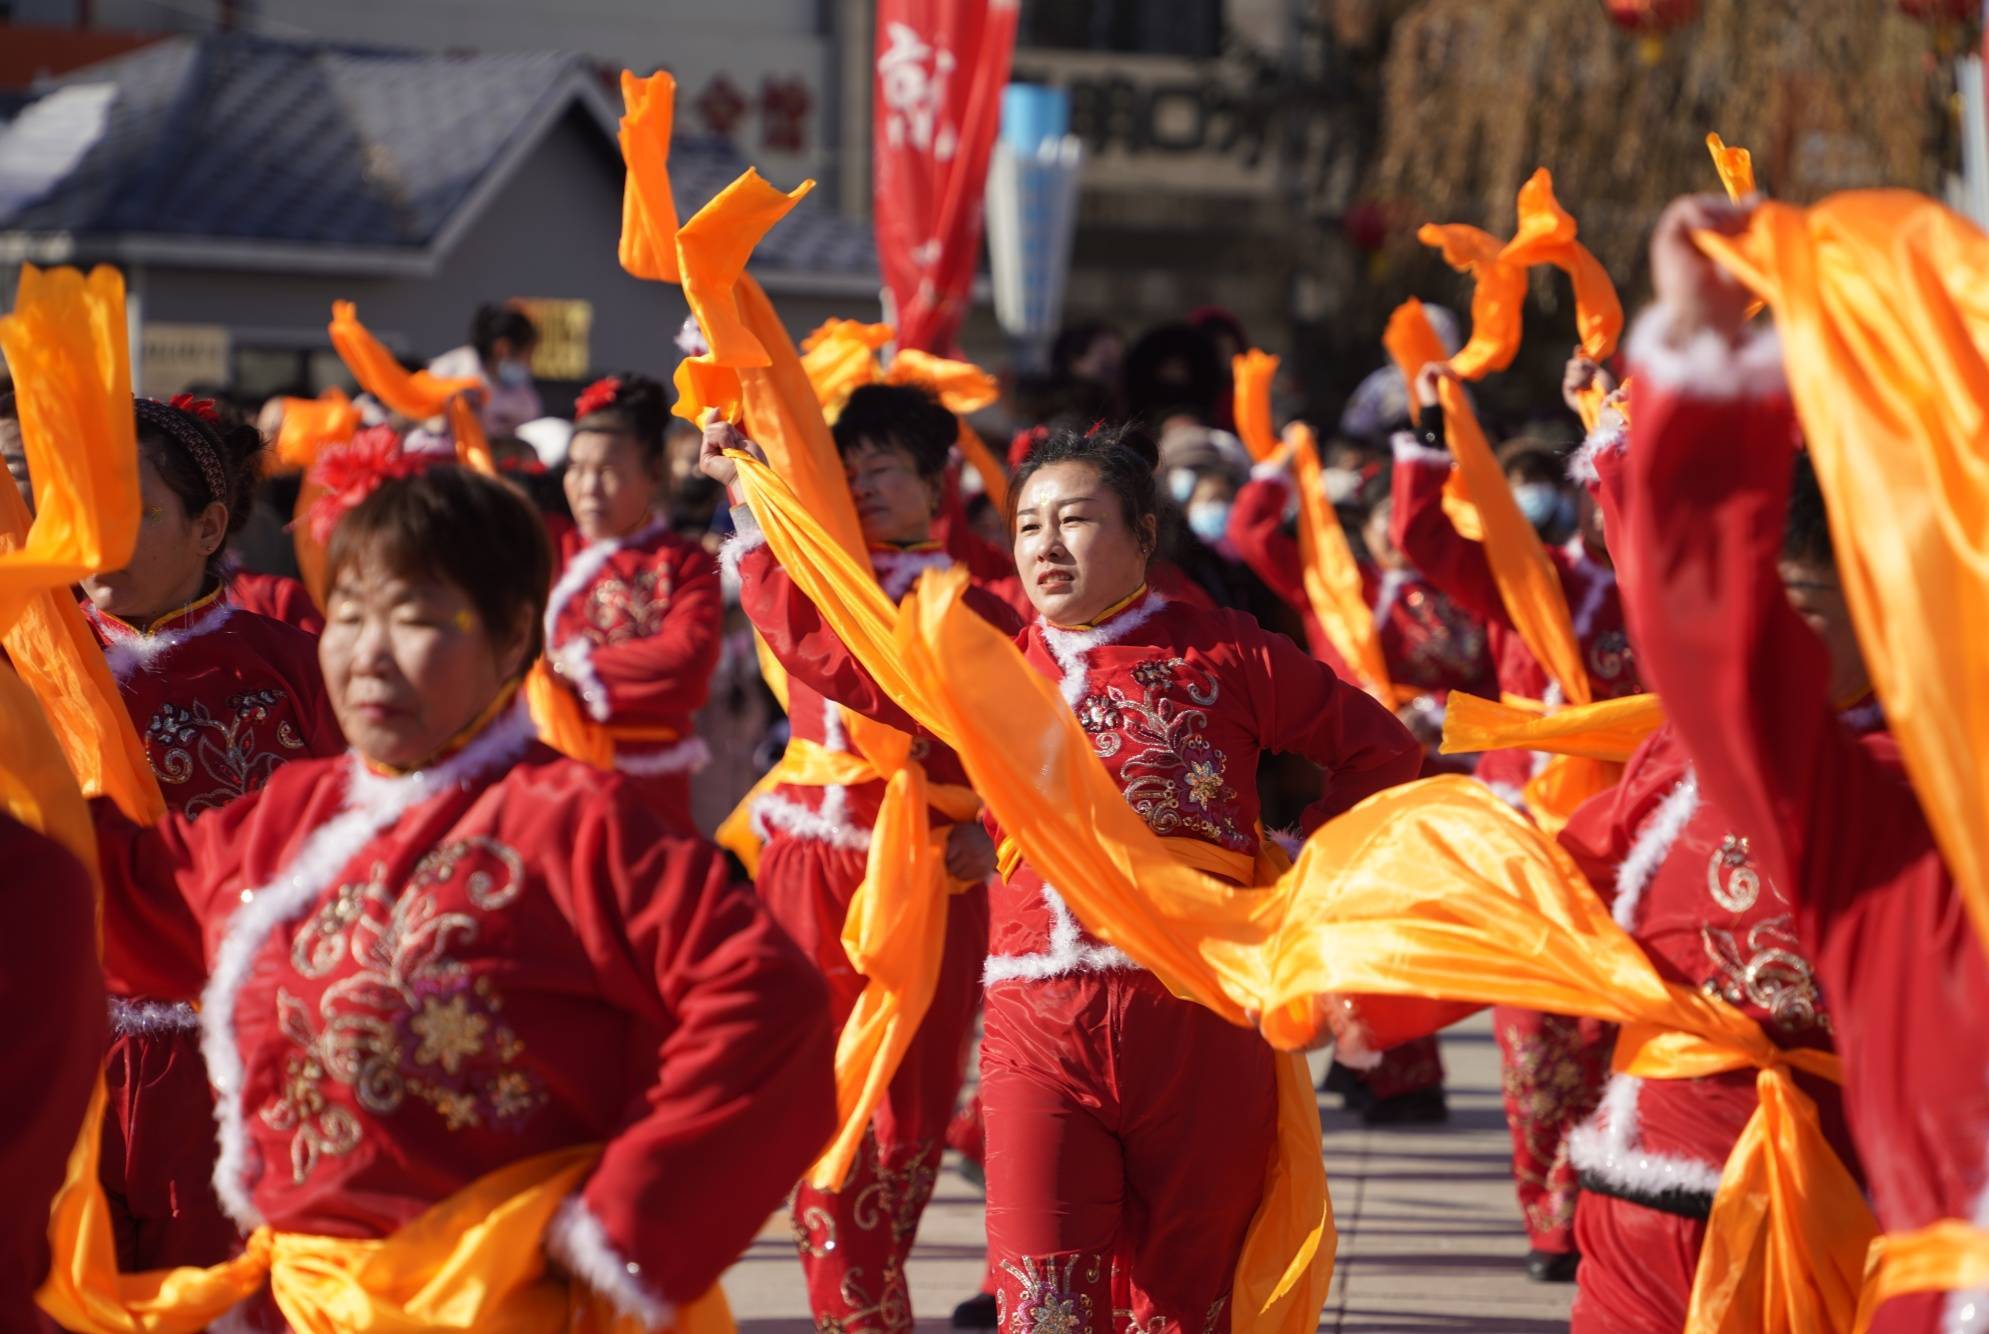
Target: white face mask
{"type": "Point", "coordinates": [1209, 520]}
{"type": "Point", "coordinates": [513, 374]}
{"type": "Point", "coordinates": [1181, 484]}
{"type": "Point", "coordinates": [1342, 485]}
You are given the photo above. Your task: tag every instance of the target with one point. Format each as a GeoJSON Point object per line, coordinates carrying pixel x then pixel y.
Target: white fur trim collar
{"type": "Point", "coordinates": [1656, 836]}
{"type": "Point", "coordinates": [682, 757]}
{"type": "Point", "coordinates": [1408, 449]}
{"type": "Point", "coordinates": [576, 1240]}
{"type": "Point", "coordinates": [1606, 1147]}
{"type": "Point", "coordinates": [574, 659]}
{"type": "Point", "coordinates": [897, 571]}
{"type": "Point", "coordinates": [130, 651]}
{"type": "Point", "coordinates": [373, 804]}
{"type": "Point", "coordinates": [1705, 365]}
{"type": "Point", "coordinates": [827, 823]}
{"type": "Point", "coordinates": [1068, 647]}
{"type": "Point", "coordinates": [1067, 954]}
{"type": "Point", "coordinates": [747, 535]}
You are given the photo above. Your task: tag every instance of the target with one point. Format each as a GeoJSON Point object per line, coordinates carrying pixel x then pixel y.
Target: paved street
{"type": "Point", "coordinates": [1429, 1234]}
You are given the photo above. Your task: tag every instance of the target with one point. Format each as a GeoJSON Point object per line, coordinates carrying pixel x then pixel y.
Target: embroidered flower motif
{"type": "Point", "coordinates": [187, 744]}
{"type": "Point", "coordinates": [450, 1033]}
{"type": "Point", "coordinates": [1204, 782]}
{"type": "Point", "coordinates": [1054, 1315]}
{"type": "Point", "coordinates": [619, 610]}
{"type": "Point", "coordinates": [1096, 713]}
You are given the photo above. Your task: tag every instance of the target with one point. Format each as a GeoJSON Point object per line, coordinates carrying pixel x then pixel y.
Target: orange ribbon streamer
{"type": "Point", "coordinates": [962, 388]}
{"type": "Point", "coordinates": [1948, 1256]}
{"type": "Point", "coordinates": [1735, 167]}
{"type": "Point", "coordinates": [840, 357]}
{"type": "Point", "coordinates": [1253, 373]}
{"type": "Point", "coordinates": [309, 424]}
{"type": "Point", "coordinates": [1332, 577]}
{"type": "Point", "coordinates": [1884, 321]}
{"type": "Point", "coordinates": [1608, 730]}
{"type": "Point", "coordinates": [66, 344]}
{"type": "Point", "coordinates": [751, 350]}
{"type": "Point", "coordinates": [418, 395]}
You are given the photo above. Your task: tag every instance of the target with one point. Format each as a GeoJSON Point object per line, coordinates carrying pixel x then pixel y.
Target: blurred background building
{"type": "Point", "coordinates": [249, 160]}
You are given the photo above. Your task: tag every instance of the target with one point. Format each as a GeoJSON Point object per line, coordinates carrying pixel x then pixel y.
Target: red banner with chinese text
{"type": "Point", "coordinates": [936, 98]}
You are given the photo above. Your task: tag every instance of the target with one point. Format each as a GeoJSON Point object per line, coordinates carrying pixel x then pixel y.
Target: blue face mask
{"type": "Point", "coordinates": [1539, 502]}
{"type": "Point", "coordinates": [1209, 520]}
{"type": "Point", "coordinates": [1181, 484]}
{"type": "Point", "coordinates": [513, 374]}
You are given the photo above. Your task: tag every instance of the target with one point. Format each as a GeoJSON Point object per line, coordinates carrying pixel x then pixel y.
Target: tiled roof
{"type": "Point", "coordinates": [232, 137]}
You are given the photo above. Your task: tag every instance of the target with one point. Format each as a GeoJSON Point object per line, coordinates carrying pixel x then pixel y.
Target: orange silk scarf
{"type": "Point", "coordinates": [418, 395]}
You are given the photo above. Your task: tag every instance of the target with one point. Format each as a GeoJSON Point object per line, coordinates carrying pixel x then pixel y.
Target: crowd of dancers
{"type": "Point", "coordinates": [441, 996]}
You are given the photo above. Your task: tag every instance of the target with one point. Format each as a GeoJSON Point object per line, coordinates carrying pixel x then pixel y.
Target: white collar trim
{"type": "Point", "coordinates": [1068, 647]}
{"type": "Point", "coordinates": [131, 651]}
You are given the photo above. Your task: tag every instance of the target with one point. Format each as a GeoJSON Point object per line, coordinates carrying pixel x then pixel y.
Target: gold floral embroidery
{"type": "Point", "coordinates": [1175, 777]}
{"type": "Point", "coordinates": [618, 609]}
{"type": "Point", "coordinates": [1759, 964]}
{"type": "Point", "coordinates": [187, 743]}
{"type": "Point", "coordinates": [409, 1020]}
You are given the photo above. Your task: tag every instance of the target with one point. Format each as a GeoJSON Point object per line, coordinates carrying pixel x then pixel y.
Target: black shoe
{"type": "Point", "coordinates": [1346, 1081]}
{"type": "Point", "coordinates": [1552, 1266]}
{"type": "Point", "coordinates": [1424, 1107]}
{"type": "Point", "coordinates": [977, 1312]}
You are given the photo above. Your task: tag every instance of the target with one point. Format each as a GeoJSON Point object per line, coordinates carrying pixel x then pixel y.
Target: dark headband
{"type": "Point", "coordinates": [192, 435]}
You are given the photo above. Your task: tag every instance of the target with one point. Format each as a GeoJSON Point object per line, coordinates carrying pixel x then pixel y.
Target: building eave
{"type": "Point", "coordinates": [215, 252]}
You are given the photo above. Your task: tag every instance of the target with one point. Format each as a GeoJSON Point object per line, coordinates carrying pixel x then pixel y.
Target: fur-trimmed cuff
{"type": "Point", "coordinates": [1269, 470]}
{"type": "Point", "coordinates": [579, 1244]}
{"type": "Point", "coordinates": [746, 536]}
{"type": "Point", "coordinates": [1610, 436]}
{"type": "Point", "coordinates": [1408, 449]}
{"type": "Point", "coordinates": [1704, 364]}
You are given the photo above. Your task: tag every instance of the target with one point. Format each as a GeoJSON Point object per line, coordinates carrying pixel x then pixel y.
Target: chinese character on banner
{"type": "Point", "coordinates": [784, 108]}
{"type": "Point", "coordinates": [721, 106]}
{"type": "Point", "coordinates": [941, 67]}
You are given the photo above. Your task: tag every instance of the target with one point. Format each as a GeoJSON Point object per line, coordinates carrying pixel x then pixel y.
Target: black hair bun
{"type": "Point", "coordinates": [641, 407]}
{"type": "Point", "coordinates": [241, 454]}
{"type": "Point", "coordinates": [1131, 436]}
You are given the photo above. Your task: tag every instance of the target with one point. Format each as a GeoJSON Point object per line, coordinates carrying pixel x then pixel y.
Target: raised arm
{"type": "Point", "coordinates": [1303, 708]}
{"type": "Point", "coordinates": [1257, 531]}
{"type": "Point", "coordinates": [733, 1029]}
{"type": "Point", "coordinates": [1425, 534]}
{"type": "Point", "coordinates": [1743, 679]}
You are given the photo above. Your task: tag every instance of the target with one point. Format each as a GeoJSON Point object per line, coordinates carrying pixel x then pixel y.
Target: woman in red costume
{"type": "Point", "coordinates": [632, 625]}
{"type": "Point", "coordinates": [1553, 1065]}
{"type": "Point", "coordinates": [221, 698]}
{"type": "Point", "coordinates": [1755, 658]}
{"type": "Point", "coordinates": [454, 949]}
{"type": "Point", "coordinates": [1127, 1128]}
{"type": "Point", "coordinates": [894, 441]}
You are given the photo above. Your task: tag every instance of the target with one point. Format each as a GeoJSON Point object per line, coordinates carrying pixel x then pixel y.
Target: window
{"type": "Point", "coordinates": [1175, 28]}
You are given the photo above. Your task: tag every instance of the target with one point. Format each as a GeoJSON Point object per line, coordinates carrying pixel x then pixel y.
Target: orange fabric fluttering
{"type": "Point", "coordinates": [562, 722]}
{"type": "Point", "coordinates": [1527, 579]}
{"type": "Point", "coordinates": [1412, 344]}
{"type": "Point", "coordinates": [1607, 730]}
{"type": "Point", "coordinates": [309, 424]}
{"type": "Point", "coordinates": [1735, 167]}
{"type": "Point", "coordinates": [1546, 235]}
{"type": "Point", "coordinates": [1498, 296]}
{"type": "Point", "coordinates": [1252, 373]}
{"type": "Point", "coordinates": [1331, 576]}
{"type": "Point", "coordinates": [781, 412]}
{"type": "Point", "coordinates": [961, 388]}
{"type": "Point", "coordinates": [1884, 320]}
{"type": "Point", "coordinates": [36, 786]}
{"type": "Point", "coordinates": [1948, 1256]}
{"type": "Point", "coordinates": [476, 1260]}
{"type": "Point", "coordinates": [840, 357]}
{"type": "Point", "coordinates": [1433, 889]}
{"type": "Point", "coordinates": [648, 246]}
{"type": "Point", "coordinates": [418, 395]}
{"type": "Point", "coordinates": [66, 344]}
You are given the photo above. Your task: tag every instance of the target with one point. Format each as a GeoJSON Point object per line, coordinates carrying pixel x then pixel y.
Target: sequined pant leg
{"type": "Point", "coordinates": [1553, 1072]}
{"type": "Point", "coordinates": [854, 1242]}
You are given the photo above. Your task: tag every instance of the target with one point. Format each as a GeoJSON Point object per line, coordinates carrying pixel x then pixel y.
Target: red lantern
{"type": "Point", "coordinates": [1651, 17]}
{"type": "Point", "coordinates": [1948, 12]}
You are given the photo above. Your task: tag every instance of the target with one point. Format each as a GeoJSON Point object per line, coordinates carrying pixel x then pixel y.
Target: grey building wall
{"type": "Point", "coordinates": [550, 232]}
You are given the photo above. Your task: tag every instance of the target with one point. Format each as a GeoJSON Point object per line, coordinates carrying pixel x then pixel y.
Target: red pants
{"type": "Point", "coordinates": [1123, 1125]}
{"type": "Point", "coordinates": [1554, 1069]}
{"type": "Point", "coordinates": [1410, 1068]}
{"type": "Point", "coordinates": [854, 1241]}
{"type": "Point", "coordinates": [1637, 1267]}
{"type": "Point", "coordinates": [157, 1167]}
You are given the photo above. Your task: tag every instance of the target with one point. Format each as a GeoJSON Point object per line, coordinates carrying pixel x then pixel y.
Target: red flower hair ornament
{"type": "Point", "coordinates": [350, 472]}
{"type": "Point", "coordinates": [200, 408]}
{"type": "Point", "coordinates": [596, 396]}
